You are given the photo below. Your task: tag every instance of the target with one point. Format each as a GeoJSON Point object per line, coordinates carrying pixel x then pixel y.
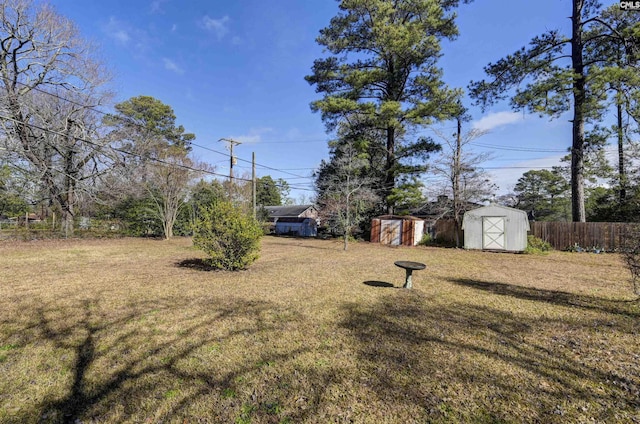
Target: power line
{"type": "Point", "coordinates": [247, 161]}
{"type": "Point", "coordinates": [273, 169]}
{"type": "Point", "coordinates": [519, 149]}
{"type": "Point", "coordinates": [517, 167]}
{"type": "Point", "coordinates": [283, 170]}
{"type": "Point", "coordinates": [116, 149]}
{"type": "Point", "coordinates": [92, 108]}
{"type": "Point", "coordinates": [119, 150]}
{"type": "Point", "coordinates": [290, 142]}
{"type": "Point", "coordinates": [287, 179]}
{"type": "Point", "coordinates": [299, 169]}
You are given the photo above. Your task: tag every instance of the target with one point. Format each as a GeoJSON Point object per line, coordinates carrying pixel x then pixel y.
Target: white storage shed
{"type": "Point", "coordinates": [495, 227]}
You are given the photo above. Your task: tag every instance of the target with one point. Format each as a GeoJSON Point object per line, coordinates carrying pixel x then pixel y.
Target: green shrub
{"type": "Point", "coordinates": [228, 236]}
{"type": "Point", "coordinates": [138, 217]}
{"type": "Point", "coordinates": [537, 246]}
{"type": "Point", "coordinates": [426, 240]}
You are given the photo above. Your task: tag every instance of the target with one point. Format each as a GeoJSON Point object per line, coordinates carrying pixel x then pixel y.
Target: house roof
{"type": "Point", "coordinates": [287, 211]}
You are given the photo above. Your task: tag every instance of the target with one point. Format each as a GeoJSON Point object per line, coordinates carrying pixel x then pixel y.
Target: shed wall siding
{"type": "Point", "coordinates": [375, 231]}
{"type": "Point", "coordinates": [515, 221]}
{"type": "Point", "coordinates": [407, 233]}
{"type": "Point", "coordinates": [418, 232]}
{"type": "Point", "coordinates": [472, 231]}
{"type": "Point", "coordinates": [401, 231]}
{"type": "Point", "coordinates": [391, 232]}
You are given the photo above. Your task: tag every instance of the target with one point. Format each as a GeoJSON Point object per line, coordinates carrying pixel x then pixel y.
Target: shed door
{"type": "Point", "coordinates": [390, 232]}
{"type": "Point", "coordinates": [493, 232]}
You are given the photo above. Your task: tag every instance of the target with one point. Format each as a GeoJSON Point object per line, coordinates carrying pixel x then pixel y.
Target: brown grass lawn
{"type": "Point", "coordinates": [133, 330]}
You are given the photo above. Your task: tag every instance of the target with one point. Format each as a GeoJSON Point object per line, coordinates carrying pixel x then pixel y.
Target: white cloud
{"type": "Point", "coordinates": [294, 134]}
{"type": "Point", "coordinates": [172, 66]}
{"type": "Point", "coordinates": [117, 30]}
{"type": "Point", "coordinates": [218, 26]}
{"type": "Point", "coordinates": [495, 120]}
{"type": "Point", "coordinates": [127, 35]}
{"type": "Point", "coordinates": [156, 6]}
{"type": "Point", "coordinates": [254, 135]}
{"type": "Point", "coordinates": [174, 28]}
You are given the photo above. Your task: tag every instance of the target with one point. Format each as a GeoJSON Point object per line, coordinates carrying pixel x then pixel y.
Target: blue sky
{"type": "Point", "coordinates": [235, 69]}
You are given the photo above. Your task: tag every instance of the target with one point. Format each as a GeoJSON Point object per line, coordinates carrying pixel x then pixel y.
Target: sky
{"type": "Point", "coordinates": [235, 70]}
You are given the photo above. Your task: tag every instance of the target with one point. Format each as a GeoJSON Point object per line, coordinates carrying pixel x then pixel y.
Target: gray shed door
{"type": "Point", "coordinates": [493, 232]}
{"type": "Point", "coordinates": [390, 231]}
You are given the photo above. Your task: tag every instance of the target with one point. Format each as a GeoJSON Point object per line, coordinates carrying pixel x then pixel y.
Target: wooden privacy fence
{"type": "Point", "coordinates": [443, 231]}
{"type": "Point", "coordinates": [608, 236]}
{"type": "Point", "coordinates": [587, 235]}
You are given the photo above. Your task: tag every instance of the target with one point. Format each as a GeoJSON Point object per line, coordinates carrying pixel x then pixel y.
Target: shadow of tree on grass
{"type": "Point", "coordinates": [181, 357]}
{"type": "Point", "coordinates": [133, 365]}
{"type": "Point", "coordinates": [622, 307]}
{"type": "Point", "coordinates": [462, 362]}
{"type": "Point", "coordinates": [197, 264]}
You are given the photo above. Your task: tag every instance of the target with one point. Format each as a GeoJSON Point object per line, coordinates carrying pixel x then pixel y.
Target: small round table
{"type": "Point", "coordinates": [409, 267]}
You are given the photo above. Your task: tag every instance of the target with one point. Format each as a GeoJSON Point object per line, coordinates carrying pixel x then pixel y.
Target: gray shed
{"type": "Point", "coordinates": [495, 227]}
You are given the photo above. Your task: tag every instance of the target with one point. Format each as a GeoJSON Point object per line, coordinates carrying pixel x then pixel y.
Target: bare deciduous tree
{"type": "Point", "coordinates": [466, 180]}
{"type": "Point", "coordinates": [155, 155]}
{"type": "Point", "coordinates": [168, 187]}
{"type": "Point", "coordinates": [49, 88]}
{"type": "Point", "coordinates": [348, 192]}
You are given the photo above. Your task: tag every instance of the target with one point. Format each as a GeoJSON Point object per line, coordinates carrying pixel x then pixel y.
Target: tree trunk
{"type": "Point", "coordinates": [67, 223]}
{"type": "Point", "coordinates": [68, 197]}
{"type": "Point", "coordinates": [622, 177]}
{"type": "Point", "coordinates": [169, 218]}
{"type": "Point", "coordinates": [390, 180]}
{"type": "Point", "coordinates": [579, 99]}
{"type": "Point", "coordinates": [168, 231]}
{"type": "Point", "coordinates": [347, 225]}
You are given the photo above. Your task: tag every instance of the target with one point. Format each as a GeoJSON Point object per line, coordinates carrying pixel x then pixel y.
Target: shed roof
{"type": "Point", "coordinates": [287, 211]}
{"type": "Point", "coordinates": [400, 217]}
{"type": "Point", "coordinates": [494, 209]}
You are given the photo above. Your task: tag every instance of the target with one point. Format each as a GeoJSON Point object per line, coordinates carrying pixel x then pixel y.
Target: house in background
{"type": "Point", "coordinates": [299, 220]}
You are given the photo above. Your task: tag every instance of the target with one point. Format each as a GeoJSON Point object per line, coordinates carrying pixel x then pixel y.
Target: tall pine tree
{"type": "Point", "coordinates": [383, 66]}
{"type": "Point", "coordinates": [556, 74]}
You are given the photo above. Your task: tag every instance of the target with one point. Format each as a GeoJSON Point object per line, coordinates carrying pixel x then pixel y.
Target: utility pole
{"type": "Point", "coordinates": [253, 181]}
{"type": "Point", "coordinates": [232, 161]}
